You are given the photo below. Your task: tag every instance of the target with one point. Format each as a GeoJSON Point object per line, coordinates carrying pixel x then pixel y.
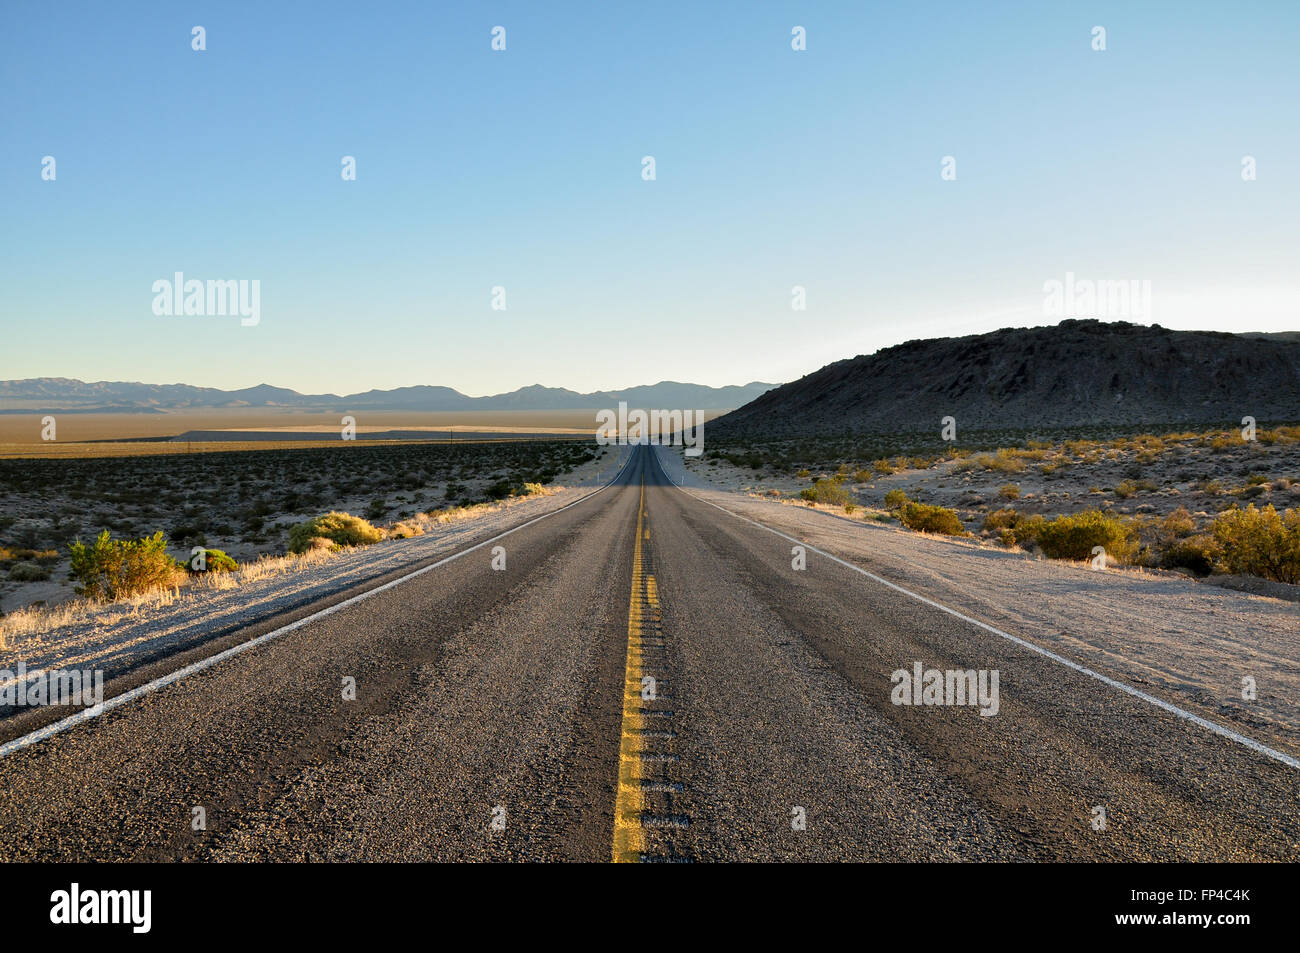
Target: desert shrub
{"type": "Point", "coordinates": [883, 467]}
{"type": "Point", "coordinates": [1012, 527]}
{"type": "Point", "coordinates": [1196, 553]}
{"type": "Point", "coordinates": [1073, 536]}
{"type": "Point", "coordinates": [1009, 491]}
{"type": "Point", "coordinates": [931, 519]}
{"type": "Point", "coordinates": [829, 490]}
{"type": "Point", "coordinates": [499, 490]}
{"type": "Point", "coordinates": [803, 474]}
{"type": "Point", "coordinates": [1176, 526]}
{"type": "Point", "coordinates": [406, 529]}
{"type": "Point", "coordinates": [28, 572]}
{"type": "Point", "coordinates": [849, 508]}
{"type": "Point", "coordinates": [895, 499]}
{"type": "Point", "coordinates": [1001, 519]}
{"type": "Point", "coordinates": [341, 529]}
{"type": "Point", "coordinates": [1260, 542]}
{"type": "Point", "coordinates": [863, 476]}
{"type": "Point", "coordinates": [1028, 527]}
{"type": "Point", "coordinates": [1005, 461]}
{"type": "Point", "coordinates": [114, 568]}
{"type": "Point", "coordinates": [43, 557]}
{"type": "Point", "coordinates": [216, 560]}
{"type": "Point", "coordinates": [531, 488]}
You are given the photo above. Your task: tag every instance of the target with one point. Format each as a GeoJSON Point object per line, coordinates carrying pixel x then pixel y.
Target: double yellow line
{"type": "Point", "coordinates": [629, 803]}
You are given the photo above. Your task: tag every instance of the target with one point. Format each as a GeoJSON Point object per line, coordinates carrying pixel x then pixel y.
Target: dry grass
{"type": "Point", "coordinates": [420, 524]}
{"type": "Point", "coordinates": [41, 619]}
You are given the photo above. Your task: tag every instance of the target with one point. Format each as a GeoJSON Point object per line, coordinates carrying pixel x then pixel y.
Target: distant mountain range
{"type": "Point", "coordinates": [1076, 373]}
{"type": "Point", "coordinates": [59, 393]}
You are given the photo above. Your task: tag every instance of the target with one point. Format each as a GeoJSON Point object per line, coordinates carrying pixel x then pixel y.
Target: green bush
{"type": "Point", "coordinates": [1260, 542]}
{"type": "Point", "coordinates": [113, 569]}
{"type": "Point", "coordinates": [1177, 525]}
{"type": "Point", "coordinates": [827, 491]}
{"type": "Point", "coordinates": [1009, 491]}
{"type": "Point", "coordinates": [1074, 536]}
{"type": "Point", "coordinates": [895, 499]}
{"type": "Point", "coordinates": [216, 560]}
{"type": "Point", "coordinates": [1004, 461]}
{"type": "Point", "coordinates": [1196, 553]}
{"type": "Point", "coordinates": [342, 529]}
{"type": "Point", "coordinates": [499, 490]}
{"type": "Point", "coordinates": [931, 519]}
{"type": "Point", "coordinates": [1001, 519]}
{"type": "Point", "coordinates": [28, 572]}
{"type": "Point", "coordinates": [1012, 527]}
{"type": "Point", "coordinates": [1129, 488]}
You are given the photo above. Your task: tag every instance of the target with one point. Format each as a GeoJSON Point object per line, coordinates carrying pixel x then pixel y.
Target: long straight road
{"type": "Point", "coordinates": [647, 678]}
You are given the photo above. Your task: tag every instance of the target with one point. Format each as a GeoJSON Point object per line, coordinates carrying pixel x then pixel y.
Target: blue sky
{"type": "Point", "coordinates": [522, 169]}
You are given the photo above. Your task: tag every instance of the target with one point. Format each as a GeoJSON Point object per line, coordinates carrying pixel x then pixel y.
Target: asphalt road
{"type": "Point", "coordinates": [508, 715]}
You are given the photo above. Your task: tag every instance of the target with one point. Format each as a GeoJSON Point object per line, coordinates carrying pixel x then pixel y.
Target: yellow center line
{"type": "Point", "coordinates": [629, 803]}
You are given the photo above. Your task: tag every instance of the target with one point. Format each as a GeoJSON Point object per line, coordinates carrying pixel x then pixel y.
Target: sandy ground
{"type": "Point", "coordinates": [1183, 641]}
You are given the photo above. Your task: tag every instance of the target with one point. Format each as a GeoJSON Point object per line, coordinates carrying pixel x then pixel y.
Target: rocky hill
{"type": "Point", "coordinates": [1080, 372]}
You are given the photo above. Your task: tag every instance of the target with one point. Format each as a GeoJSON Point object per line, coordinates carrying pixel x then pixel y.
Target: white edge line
{"type": "Point", "coordinates": [116, 701]}
{"type": "Point", "coordinates": [1195, 719]}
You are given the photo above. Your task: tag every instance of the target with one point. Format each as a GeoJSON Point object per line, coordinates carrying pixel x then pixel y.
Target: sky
{"type": "Point", "coordinates": [521, 169]}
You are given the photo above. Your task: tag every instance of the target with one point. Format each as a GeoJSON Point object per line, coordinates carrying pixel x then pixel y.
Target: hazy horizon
{"type": "Point", "coordinates": [382, 387]}
{"type": "Point", "coordinates": [386, 386]}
